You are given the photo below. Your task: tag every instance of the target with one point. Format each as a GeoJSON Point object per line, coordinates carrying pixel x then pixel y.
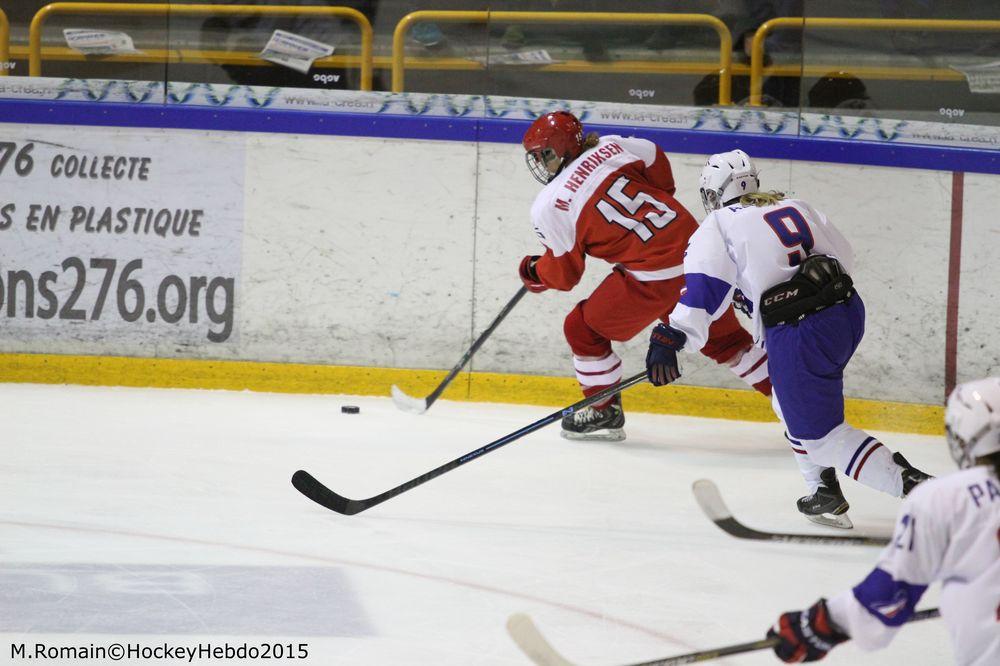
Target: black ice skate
{"type": "Point", "coordinates": [604, 424]}
{"type": "Point", "coordinates": [911, 475]}
{"type": "Point", "coordinates": [827, 505]}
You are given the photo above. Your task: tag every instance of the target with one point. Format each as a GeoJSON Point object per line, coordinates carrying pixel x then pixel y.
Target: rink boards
{"type": "Point", "coordinates": [288, 251]}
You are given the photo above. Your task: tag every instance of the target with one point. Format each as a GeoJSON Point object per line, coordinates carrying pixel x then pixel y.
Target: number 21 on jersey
{"type": "Point", "coordinates": [793, 231]}
{"type": "Point", "coordinates": [661, 216]}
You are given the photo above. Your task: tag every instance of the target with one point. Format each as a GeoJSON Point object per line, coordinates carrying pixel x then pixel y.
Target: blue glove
{"type": "Point", "coordinates": [742, 303]}
{"type": "Point", "coordinates": [806, 635]}
{"type": "Point", "coordinates": [661, 359]}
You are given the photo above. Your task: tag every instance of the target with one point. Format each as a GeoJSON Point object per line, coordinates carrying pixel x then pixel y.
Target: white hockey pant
{"type": "Point", "coordinates": [855, 453]}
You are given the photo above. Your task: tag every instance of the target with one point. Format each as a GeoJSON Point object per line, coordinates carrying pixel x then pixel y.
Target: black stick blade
{"type": "Point", "coordinates": [710, 500]}
{"type": "Point", "coordinates": [307, 484]}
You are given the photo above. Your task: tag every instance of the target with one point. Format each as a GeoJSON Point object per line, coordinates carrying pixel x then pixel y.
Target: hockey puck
{"type": "Point", "coordinates": [350, 409]}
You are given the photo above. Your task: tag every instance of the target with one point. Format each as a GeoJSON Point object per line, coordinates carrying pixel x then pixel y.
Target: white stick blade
{"type": "Point", "coordinates": [532, 643]}
{"type": "Point", "coordinates": [710, 500]}
{"type": "Point", "coordinates": [408, 403]}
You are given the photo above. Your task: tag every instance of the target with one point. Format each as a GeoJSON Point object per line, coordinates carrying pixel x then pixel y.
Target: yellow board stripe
{"type": "Point", "coordinates": [742, 405]}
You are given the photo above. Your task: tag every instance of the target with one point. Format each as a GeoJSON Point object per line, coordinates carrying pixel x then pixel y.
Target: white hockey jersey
{"type": "Point", "coordinates": [949, 531]}
{"type": "Point", "coordinates": [749, 248]}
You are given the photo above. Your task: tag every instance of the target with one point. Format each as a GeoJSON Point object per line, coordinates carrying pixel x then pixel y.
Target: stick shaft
{"type": "Point", "coordinates": [503, 441]}
{"type": "Point", "coordinates": [436, 393]}
{"type": "Point", "coordinates": [763, 644]}
{"type": "Point", "coordinates": [709, 655]}
{"type": "Point", "coordinates": [309, 486]}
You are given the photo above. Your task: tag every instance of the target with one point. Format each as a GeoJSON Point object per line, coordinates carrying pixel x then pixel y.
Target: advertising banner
{"type": "Point", "coordinates": [127, 235]}
{"type": "Point", "coordinates": [732, 120]}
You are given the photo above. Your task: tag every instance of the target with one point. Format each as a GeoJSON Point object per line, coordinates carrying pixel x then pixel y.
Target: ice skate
{"type": "Point", "coordinates": [911, 475]}
{"type": "Point", "coordinates": [827, 505]}
{"type": "Point", "coordinates": [604, 424]}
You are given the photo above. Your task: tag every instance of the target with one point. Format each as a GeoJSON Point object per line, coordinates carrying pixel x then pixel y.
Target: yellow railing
{"type": "Point", "coordinates": [4, 44]}
{"type": "Point", "coordinates": [605, 18]}
{"type": "Point", "coordinates": [192, 56]}
{"type": "Point", "coordinates": [787, 22]}
{"type": "Point", "coordinates": [252, 59]}
{"type": "Point", "coordinates": [164, 9]}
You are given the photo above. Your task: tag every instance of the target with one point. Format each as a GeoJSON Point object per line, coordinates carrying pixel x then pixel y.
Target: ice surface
{"type": "Point", "coordinates": [158, 516]}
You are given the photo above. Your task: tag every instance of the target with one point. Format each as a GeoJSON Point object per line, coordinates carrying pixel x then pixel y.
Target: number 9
{"type": "Point", "coordinates": [782, 222]}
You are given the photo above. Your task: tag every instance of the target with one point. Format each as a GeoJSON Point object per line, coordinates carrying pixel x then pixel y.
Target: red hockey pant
{"type": "Point", "coordinates": [621, 307]}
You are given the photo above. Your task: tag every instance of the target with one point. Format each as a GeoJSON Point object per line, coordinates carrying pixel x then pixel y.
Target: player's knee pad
{"type": "Point", "coordinates": [582, 339]}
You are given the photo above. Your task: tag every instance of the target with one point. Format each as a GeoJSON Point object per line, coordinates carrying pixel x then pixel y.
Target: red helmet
{"type": "Point", "coordinates": [552, 141]}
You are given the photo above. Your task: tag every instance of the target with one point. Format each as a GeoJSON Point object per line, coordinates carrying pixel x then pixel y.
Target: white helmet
{"type": "Point", "coordinates": [727, 177]}
{"type": "Point", "coordinates": [972, 420]}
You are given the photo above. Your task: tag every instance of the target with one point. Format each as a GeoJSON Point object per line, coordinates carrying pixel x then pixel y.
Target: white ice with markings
{"type": "Point", "coordinates": [167, 517]}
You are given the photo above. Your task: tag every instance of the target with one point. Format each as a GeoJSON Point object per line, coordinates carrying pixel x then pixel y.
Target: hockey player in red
{"type": "Point", "coordinates": [612, 198]}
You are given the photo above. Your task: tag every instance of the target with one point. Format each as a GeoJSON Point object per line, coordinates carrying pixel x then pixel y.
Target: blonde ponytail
{"type": "Point", "coordinates": [762, 199]}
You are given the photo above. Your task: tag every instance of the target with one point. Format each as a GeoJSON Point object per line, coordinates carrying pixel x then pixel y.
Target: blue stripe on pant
{"type": "Point", "coordinates": [857, 453]}
{"type": "Point", "coordinates": [807, 360]}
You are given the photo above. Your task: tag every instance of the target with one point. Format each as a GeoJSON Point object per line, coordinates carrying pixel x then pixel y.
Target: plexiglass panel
{"type": "Point", "coordinates": [305, 44]}
{"type": "Point", "coordinates": [85, 42]}
{"type": "Point", "coordinates": [565, 55]}
{"type": "Point", "coordinates": [945, 69]}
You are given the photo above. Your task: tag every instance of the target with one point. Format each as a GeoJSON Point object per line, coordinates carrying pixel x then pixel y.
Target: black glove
{"type": "Point", "coordinates": [661, 359]}
{"type": "Point", "coordinates": [806, 635]}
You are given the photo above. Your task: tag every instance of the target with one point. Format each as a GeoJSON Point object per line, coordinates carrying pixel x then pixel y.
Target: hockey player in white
{"type": "Point", "coordinates": [789, 268]}
{"type": "Point", "coordinates": [949, 531]}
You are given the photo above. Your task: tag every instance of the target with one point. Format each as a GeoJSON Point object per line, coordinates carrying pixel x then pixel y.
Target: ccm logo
{"type": "Point", "coordinates": [783, 296]}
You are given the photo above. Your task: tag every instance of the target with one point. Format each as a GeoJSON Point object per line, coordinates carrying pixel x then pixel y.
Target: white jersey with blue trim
{"type": "Point", "coordinates": [750, 248]}
{"type": "Point", "coordinates": [948, 531]}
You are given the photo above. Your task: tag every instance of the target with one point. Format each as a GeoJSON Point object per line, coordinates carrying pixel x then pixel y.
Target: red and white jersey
{"type": "Point", "coordinates": [614, 202]}
{"type": "Point", "coordinates": [948, 531]}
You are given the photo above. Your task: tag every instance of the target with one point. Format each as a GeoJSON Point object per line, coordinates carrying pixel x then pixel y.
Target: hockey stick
{"type": "Point", "coordinates": [420, 405]}
{"type": "Point", "coordinates": [307, 484]}
{"type": "Point", "coordinates": [710, 501]}
{"type": "Point", "coordinates": [532, 643]}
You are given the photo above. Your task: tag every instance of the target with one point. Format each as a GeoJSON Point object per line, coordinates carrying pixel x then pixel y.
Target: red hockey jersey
{"type": "Point", "coordinates": [614, 202]}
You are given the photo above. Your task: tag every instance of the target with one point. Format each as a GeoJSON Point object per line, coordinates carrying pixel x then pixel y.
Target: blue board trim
{"type": "Point", "coordinates": [493, 130]}
{"type": "Point", "coordinates": [108, 114]}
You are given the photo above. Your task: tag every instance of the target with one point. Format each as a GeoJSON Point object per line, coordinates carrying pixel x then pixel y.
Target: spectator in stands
{"type": "Point", "coordinates": [706, 93]}
{"type": "Point", "coordinates": [592, 38]}
{"type": "Point", "coordinates": [839, 90]}
{"type": "Point", "coordinates": [782, 90]}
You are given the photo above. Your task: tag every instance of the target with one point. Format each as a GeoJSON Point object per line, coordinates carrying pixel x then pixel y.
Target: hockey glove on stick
{"type": "Point", "coordinates": [742, 303]}
{"type": "Point", "coordinates": [806, 635]}
{"type": "Point", "coordinates": [528, 275]}
{"type": "Point", "coordinates": [661, 359]}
